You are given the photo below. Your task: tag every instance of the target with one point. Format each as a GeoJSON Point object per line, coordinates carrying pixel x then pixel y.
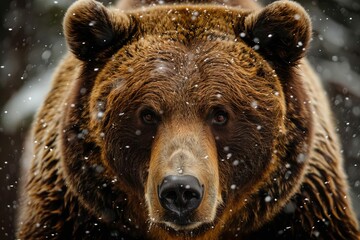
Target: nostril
{"type": "Point", "coordinates": [189, 195]}
{"type": "Point", "coordinates": [170, 196]}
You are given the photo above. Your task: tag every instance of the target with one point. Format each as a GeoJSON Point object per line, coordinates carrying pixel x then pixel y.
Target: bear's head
{"type": "Point", "coordinates": [185, 118]}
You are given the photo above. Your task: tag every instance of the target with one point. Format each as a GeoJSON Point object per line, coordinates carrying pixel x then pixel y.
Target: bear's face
{"type": "Point", "coordinates": [183, 111]}
{"type": "Point", "coordinates": [172, 109]}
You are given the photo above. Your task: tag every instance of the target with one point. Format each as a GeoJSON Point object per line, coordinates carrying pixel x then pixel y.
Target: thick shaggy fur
{"type": "Point", "coordinates": [272, 170]}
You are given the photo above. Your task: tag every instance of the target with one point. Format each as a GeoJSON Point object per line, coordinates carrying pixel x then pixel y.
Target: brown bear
{"type": "Point", "coordinates": [186, 121]}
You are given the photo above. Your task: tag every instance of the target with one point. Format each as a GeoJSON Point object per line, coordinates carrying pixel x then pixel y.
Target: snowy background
{"type": "Point", "coordinates": [31, 44]}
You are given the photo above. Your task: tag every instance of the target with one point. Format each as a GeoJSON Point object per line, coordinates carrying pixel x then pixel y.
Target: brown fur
{"type": "Point", "coordinates": [272, 171]}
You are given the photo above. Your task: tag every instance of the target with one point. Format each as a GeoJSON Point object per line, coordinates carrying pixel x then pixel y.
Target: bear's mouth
{"type": "Point", "coordinates": [182, 224]}
{"type": "Point", "coordinates": [179, 221]}
{"type": "Point", "coordinates": [190, 229]}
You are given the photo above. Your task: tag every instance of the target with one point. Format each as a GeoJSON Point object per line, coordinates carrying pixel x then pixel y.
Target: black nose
{"type": "Point", "coordinates": [180, 194]}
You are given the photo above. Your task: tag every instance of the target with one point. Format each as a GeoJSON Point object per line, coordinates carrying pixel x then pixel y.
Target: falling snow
{"type": "Point", "coordinates": [254, 104]}
{"type": "Point", "coordinates": [267, 199]}
{"type": "Point", "coordinates": [32, 47]}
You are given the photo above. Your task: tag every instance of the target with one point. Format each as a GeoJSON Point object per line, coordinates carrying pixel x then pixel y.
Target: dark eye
{"type": "Point", "coordinates": [149, 117]}
{"type": "Point", "coordinates": [219, 117]}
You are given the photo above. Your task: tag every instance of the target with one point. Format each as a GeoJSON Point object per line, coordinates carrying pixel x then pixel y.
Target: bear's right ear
{"type": "Point", "coordinates": [94, 32]}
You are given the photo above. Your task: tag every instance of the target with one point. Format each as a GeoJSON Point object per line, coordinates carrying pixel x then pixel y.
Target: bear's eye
{"type": "Point", "coordinates": [148, 116]}
{"type": "Point", "coordinates": [219, 117]}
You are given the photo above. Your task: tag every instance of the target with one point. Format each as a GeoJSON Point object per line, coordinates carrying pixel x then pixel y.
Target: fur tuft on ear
{"type": "Point", "coordinates": [94, 32]}
{"type": "Point", "coordinates": [281, 32]}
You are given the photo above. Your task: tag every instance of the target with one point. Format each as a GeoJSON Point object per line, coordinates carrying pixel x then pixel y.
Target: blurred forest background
{"type": "Point", "coordinates": [32, 42]}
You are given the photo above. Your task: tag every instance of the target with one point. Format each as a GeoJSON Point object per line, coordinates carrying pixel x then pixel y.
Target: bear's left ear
{"type": "Point", "coordinates": [94, 32]}
{"type": "Point", "coordinates": [280, 32]}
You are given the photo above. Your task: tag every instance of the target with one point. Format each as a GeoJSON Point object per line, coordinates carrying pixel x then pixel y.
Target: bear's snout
{"type": "Point", "coordinates": [180, 195]}
{"type": "Point", "coordinates": [182, 189]}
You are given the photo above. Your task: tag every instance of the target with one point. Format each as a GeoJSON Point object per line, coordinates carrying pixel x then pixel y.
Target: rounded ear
{"type": "Point", "coordinates": [94, 32]}
{"type": "Point", "coordinates": [280, 32]}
